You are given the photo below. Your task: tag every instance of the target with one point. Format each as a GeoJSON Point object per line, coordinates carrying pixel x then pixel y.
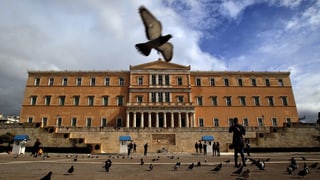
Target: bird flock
{"type": "Point", "coordinates": [297, 166]}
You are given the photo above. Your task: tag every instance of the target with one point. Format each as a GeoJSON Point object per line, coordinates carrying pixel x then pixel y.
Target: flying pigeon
{"type": "Point", "coordinates": [153, 30]}
{"type": "Point", "coordinates": [191, 166]}
{"type": "Point", "coordinates": [150, 167]}
{"type": "Point", "coordinates": [47, 177]}
{"type": "Point", "coordinates": [176, 166]}
{"type": "Point", "coordinates": [304, 171]}
{"type": "Point", "coordinates": [107, 165]}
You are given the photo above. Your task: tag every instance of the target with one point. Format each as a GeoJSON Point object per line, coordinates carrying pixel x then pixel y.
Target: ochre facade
{"type": "Point", "coordinates": [158, 94]}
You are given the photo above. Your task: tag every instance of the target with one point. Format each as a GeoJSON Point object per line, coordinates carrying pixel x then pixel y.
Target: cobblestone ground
{"type": "Point", "coordinates": [91, 166]}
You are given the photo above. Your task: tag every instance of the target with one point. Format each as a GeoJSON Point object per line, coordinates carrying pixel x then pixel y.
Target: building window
{"type": "Point", "coordinates": [180, 99]}
{"type": "Point", "coordinates": [214, 101]}
{"type": "Point", "coordinates": [284, 100]}
{"type": "Point", "coordinates": [120, 100]}
{"type": "Point", "coordinates": [267, 81]}
{"type": "Point", "coordinates": [64, 81]}
{"type": "Point", "coordinates": [107, 81]}
{"type": "Point", "coordinates": [92, 81]}
{"type": "Point", "coordinates": [160, 79]}
{"type": "Point", "coordinates": [78, 81]}
{"type": "Point", "coordinates": [212, 82]}
{"type": "Point", "coordinates": [121, 81]}
{"type": "Point", "coordinates": [288, 120]}
{"type": "Point", "coordinates": [167, 79]}
{"type": "Point", "coordinates": [179, 80]}
{"type": "Point", "coordinates": [281, 82]}
{"type": "Point", "coordinates": [88, 122]}
{"type": "Point", "coordinates": [119, 122]}
{"type": "Point", "coordinates": [160, 97]}
{"type": "Point", "coordinates": [256, 100]}
{"type": "Point", "coordinates": [33, 100]}
{"type": "Point", "coordinates": [240, 83]}
{"type": "Point", "coordinates": [274, 122]}
{"type": "Point", "coordinates": [50, 82]}
{"type": "Point", "coordinates": [105, 100]}
{"type": "Point", "coordinates": [242, 100]}
{"type": "Point", "coordinates": [44, 121]}
{"type": "Point", "coordinates": [245, 122]}
{"type": "Point", "coordinates": [30, 119]}
{"type": "Point", "coordinates": [228, 101]}
{"type": "Point", "coordinates": [76, 100]}
{"type": "Point", "coordinates": [260, 122]}
{"type": "Point", "coordinates": [62, 100]}
{"type": "Point", "coordinates": [74, 122]}
{"type": "Point", "coordinates": [59, 121]}
{"type": "Point", "coordinates": [153, 97]}
{"type": "Point", "coordinates": [226, 82]}
{"type": "Point", "coordinates": [153, 79]}
{"type": "Point", "coordinates": [201, 122]}
{"type": "Point", "coordinates": [104, 122]}
{"type": "Point", "coordinates": [270, 101]}
{"type": "Point", "coordinates": [47, 100]}
{"type": "Point", "coordinates": [36, 81]}
{"type": "Point", "coordinates": [167, 96]}
{"type": "Point", "coordinates": [90, 100]}
{"type": "Point", "coordinates": [198, 82]}
{"type": "Point", "coordinates": [216, 122]}
{"type": "Point", "coordinates": [139, 99]}
{"type": "Point", "coordinates": [199, 101]}
{"type": "Point", "coordinates": [140, 80]}
{"type": "Point", "coordinates": [253, 82]}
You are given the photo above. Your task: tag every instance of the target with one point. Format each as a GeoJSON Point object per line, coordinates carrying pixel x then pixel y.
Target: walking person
{"type": "Point", "coordinates": [237, 140]}
{"type": "Point", "coordinates": [200, 147]}
{"type": "Point", "coordinates": [36, 148]}
{"type": "Point", "coordinates": [134, 147]}
{"type": "Point", "coordinates": [218, 148]}
{"type": "Point", "coordinates": [145, 149]}
{"type": "Point", "coordinates": [214, 149]}
{"type": "Point", "coordinates": [205, 149]}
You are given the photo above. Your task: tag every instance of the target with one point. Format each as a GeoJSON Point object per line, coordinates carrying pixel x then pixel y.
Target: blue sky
{"type": "Point", "coordinates": [231, 35]}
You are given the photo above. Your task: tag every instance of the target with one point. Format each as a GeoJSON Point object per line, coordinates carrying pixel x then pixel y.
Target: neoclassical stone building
{"type": "Point", "coordinates": [158, 95]}
{"type": "Point", "coordinates": [165, 104]}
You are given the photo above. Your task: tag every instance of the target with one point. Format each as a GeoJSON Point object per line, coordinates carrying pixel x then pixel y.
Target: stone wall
{"type": "Point", "coordinates": [106, 140]}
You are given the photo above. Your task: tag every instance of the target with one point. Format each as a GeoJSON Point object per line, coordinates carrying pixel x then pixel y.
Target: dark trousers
{"type": "Point", "coordinates": [236, 151]}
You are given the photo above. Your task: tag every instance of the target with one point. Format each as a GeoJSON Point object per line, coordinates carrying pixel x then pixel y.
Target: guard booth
{"type": "Point", "coordinates": [19, 144]}
{"type": "Point", "coordinates": [124, 141]}
{"type": "Point", "coordinates": [209, 141]}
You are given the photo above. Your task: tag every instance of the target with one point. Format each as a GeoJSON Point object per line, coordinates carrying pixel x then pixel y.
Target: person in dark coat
{"type": "Point", "coordinates": [200, 147]}
{"type": "Point", "coordinates": [36, 148]}
{"type": "Point", "coordinates": [145, 149]}
{"type": "Point", "coordinates": [237, 140]}
{"type": "Point", "coordinates": [196, 146]}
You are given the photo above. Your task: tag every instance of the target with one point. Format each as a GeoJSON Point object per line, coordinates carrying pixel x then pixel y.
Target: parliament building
{"type": "Point", "coordinates": [158, 95]}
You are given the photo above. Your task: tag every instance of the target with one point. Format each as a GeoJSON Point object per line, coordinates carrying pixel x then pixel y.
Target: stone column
{"type": "Point", "coordinates": [142, 120]}
{"type": "Point", "coordinates": [164, 119]}
{"type": "Point", "coordinates": [187, 119]}
{"type": "Point", "coordinates": [179, 120]}
{"type": "Point", "coordinates": [128, 121]}
{"type": "Point", "coordinates": [172, 120]}
{"type": "Point", "coordinates": [157, 119]}
{"type": "Point", "coordinates": [149, 119]}
{"type": "Point", "coordinates": [134, 119]}
{"type": "Point", "coordinates": [194, 120]}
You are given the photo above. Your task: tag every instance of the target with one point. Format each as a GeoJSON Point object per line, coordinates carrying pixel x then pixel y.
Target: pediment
{"type": "Point", "coordinates": [159, 64]}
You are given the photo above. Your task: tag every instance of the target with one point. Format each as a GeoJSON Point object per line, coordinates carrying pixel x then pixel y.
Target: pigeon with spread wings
{"type": "Point", "coordinates": [153, 30]}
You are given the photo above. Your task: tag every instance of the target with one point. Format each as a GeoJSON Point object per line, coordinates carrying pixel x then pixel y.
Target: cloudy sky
{"type": "Point", "coordinates": [231, 35]}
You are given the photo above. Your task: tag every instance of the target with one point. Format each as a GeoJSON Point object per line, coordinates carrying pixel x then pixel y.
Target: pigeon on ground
{"type": "Point", "coordinates": [47, 177]}
{"type": "Point", "coordinates": [304, 171]}
{"type": "Point", "coordinates": [150, 167]}
{"type": "Point", "coordinates": [153, 30]}
{"type": "Point", "coordinates": [238, 171]}
{"type": "Point", "coordinates": [303, 158]}
{"type": "Point", "coordinates": [191, 166]}
{"type": "Point", "coordinates": [217, 168]}
{"type": "Point", "coordinates": [107, 165]}
{"type": "Point", "coordinates": [314, 165]}
{"type": "Point", "coordinates": [227, 161]}
{"type": "Point", "coordinates": [260, 164]}
{"type": "Point", "coordinates": [176, 166]}
{"type": "Point", "coordinates": [245, 174]}
{"type": "Point", "coordinates": [70, 170]}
